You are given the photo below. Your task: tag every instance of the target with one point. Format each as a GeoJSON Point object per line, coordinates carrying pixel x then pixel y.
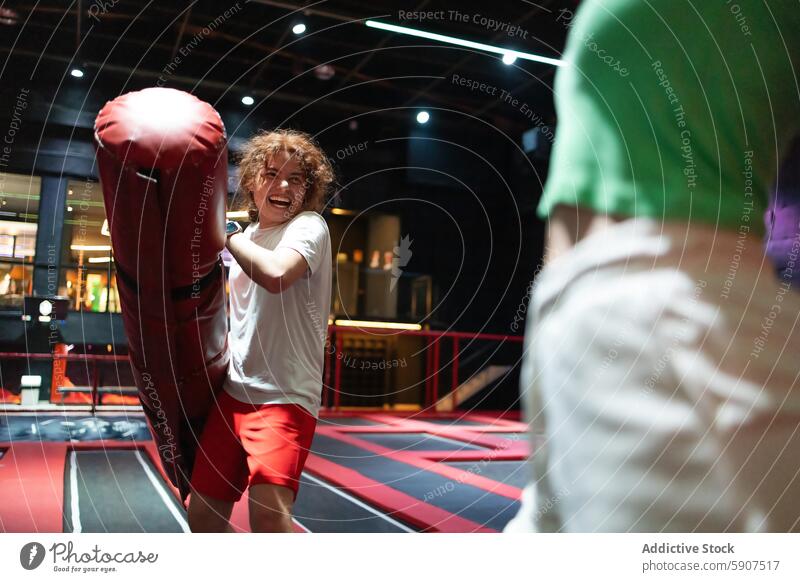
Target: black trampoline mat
{"type": "Point", "coordinates": [319, 509]}
{"type": "Point", "coordinates": [464, 500]}
{"type": "Point", "coordinates": [115, 494]}
{"type": "Point", "coordinates": [416, 441]}
{"type": "Point", "coordinates": [514, 473]}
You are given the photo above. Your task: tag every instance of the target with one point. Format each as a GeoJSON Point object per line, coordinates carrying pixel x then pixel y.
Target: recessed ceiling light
{"type": "Point", "coordinates": [77, 73]}
{"type": "Point", "coordinates": [299, 28]}
{"type": "Point", "coordinates": [423, 117]}
{"type": "Point", "coordinates": [247, 100]}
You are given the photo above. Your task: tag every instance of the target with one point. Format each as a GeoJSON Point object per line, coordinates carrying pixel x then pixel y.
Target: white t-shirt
{"type": "Point", "coordinates": [277, 340]}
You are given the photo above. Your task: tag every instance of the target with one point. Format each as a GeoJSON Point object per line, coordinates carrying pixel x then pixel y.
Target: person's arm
{"type": "Point", "coordinates": [275, 271]}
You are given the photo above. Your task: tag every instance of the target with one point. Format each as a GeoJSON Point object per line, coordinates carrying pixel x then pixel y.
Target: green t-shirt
{"type": "Point", "coordinates": [676, 109]}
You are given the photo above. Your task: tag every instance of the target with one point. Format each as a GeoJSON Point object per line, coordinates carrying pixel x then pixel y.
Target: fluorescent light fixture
{"type": "Point", "coordinates": [104, 229]}
{"type": "Point", "coordinates": [423, 117]}
{"type": "Point", "coordinates": [299, 28]}
{"type": "Point", "coordinates": [342, 212]}
{"type": "Point", "coordinates": [247, 100]}
{"type": "Point", "coordinates": [236, 214]}
{"type": "Point", "coordinates": [461, 42]}
{"type": "Point", "coordinates": [509, 58]}
{"type": "Point", "coordinates": [99, 259]}
{"type": "Point", "coordinates": [77, 73]}
{"type": "Point", "coordinates": [378, 324]}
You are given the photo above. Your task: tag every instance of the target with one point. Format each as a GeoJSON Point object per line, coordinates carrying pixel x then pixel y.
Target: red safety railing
{"type": "Point", "coordinates": [93, 390]}
{"type": "Point", "coordinates": [433, 343]}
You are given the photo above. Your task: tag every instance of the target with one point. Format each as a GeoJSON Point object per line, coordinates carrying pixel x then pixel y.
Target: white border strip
{"type": "Point", "coordinates": [73, 493]}
{"type": "Point", "coordinates": [355, 501]}
{"type": "Point", "coordinates": [301, 526]}
{"type": "Point", "coordinates": [163, 493]}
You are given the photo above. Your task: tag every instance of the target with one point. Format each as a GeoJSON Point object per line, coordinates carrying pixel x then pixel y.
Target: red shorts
{"type": "Point", "coordinates": [244, 445]}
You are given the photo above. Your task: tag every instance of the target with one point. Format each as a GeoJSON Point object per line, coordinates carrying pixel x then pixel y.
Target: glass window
{"type": "Point", "coordinates": [87, 277]}
{"type": "Point", "coordinates": [19, 207]}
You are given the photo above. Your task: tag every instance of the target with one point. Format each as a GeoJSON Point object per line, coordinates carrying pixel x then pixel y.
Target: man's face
{"type": "Point", "coordinates": [280, 190]}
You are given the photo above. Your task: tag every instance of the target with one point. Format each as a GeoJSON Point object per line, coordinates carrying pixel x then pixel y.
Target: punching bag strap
{"type": "Point", "coordinates": [178, 293]}
{"type": "Point", "coordinates": [129, 281]}
{"type": "Point", "coordinates": [194, 290]}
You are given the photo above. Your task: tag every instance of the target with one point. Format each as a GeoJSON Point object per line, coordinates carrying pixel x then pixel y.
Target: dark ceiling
{"type": "Point", "coordinates": [225, 49]}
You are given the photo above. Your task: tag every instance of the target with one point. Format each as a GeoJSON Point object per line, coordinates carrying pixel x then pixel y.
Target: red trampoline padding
{"type": "Point", "coordinates": [162, 158]}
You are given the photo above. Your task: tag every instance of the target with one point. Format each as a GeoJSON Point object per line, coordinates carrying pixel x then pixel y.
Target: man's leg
{"type": "Point", "coordinates": [271, 508]}
{"type": "Point", "coordinates": [209, 515]}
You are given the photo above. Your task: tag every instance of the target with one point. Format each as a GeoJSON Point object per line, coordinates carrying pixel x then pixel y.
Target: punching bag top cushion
{"type": "Point", "coordinates": [159, 128]}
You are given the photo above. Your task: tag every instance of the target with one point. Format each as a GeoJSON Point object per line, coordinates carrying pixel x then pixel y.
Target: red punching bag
{"type": "Point", "coordinates": [162, 158]}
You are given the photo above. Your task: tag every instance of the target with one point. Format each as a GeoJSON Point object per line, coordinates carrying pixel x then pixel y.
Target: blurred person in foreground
{"type": "Point", "coordinates": [660, 372]}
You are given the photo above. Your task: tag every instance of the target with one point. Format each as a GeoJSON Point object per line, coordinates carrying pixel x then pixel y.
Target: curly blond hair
{"type": "Point", "coordinates": [316, 166]}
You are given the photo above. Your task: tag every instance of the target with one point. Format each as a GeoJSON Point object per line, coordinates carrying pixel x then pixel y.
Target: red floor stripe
{"type": "Point", "coordinates": [32, 487]}
{"type": "Point", "coordinates": [418, 459]}
{"type": "Point", "coordinates": [486, 420]}
{"type": "Point", "coordinates": [395, 503]}
{"type": "Point", "coordinates": [499, 448]}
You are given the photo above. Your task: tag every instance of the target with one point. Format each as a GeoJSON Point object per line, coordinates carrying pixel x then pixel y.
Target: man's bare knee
{"type": "Point", "coordinates": [209, 515]}
{"type": "Point", "coordinates": [271, 508]}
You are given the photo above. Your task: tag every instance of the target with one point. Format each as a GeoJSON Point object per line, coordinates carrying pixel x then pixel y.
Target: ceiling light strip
{"type": "Point", "coordinates": [462, 42]}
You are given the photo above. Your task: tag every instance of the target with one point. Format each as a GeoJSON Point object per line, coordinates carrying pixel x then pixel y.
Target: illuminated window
{"type": "Point", "coordinates": [19, 207]}
{"type": "Point", "coordinates": [88, 276]}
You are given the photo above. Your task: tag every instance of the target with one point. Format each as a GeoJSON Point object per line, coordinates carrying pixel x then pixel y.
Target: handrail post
{"type": "Point", "coordinates": [437, 344]}
{"type": "Point", "coordinates": [454, 386]}
{"type": "Point", "coordinates": [327, 381]}
{"type": "Point", "coordinates": [428, 356]}
{"type": "Point", "coordinates": [338, 375]}
{"type": "Point", "coordinates": [95, 391]}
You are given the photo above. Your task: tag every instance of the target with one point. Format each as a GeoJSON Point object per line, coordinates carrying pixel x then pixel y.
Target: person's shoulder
{"type": "Point", "coordinates": [251, 230]}
{"type": "Point", "coordinates": [310, 219]}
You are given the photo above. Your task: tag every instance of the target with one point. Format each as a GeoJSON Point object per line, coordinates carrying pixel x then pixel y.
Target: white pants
{"type": "Point", "coordinates": [661, 377]}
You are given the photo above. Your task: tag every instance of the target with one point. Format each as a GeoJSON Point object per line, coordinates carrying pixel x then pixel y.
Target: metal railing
{"type": "Point", "coordinates": [434, 382]}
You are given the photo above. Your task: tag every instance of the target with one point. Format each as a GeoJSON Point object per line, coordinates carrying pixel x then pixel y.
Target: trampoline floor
{"type": "Point", "coordinates": [367, 472]}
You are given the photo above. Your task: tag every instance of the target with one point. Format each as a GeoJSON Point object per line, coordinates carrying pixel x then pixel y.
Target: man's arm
{"type": "Point", "coordinates": [275, 271]}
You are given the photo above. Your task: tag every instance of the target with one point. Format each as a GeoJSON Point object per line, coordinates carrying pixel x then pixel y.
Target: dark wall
{"type": "Point", "coordinates": [468, 205]}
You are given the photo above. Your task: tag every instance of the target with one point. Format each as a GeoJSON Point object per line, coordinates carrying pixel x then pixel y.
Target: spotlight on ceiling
{"type": "Point", "coordinates": [247, 100]}
{"type": "Point", "coordinates": [509, 58]}
{"type": "Point", "coordinates": [8, 16]}
{"type": "Point", "coordinates": [77, 73]}
{"type": "Point", "coordinates": [299, 28]}
{"type": "Point", "coordinates": [423, 117]}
